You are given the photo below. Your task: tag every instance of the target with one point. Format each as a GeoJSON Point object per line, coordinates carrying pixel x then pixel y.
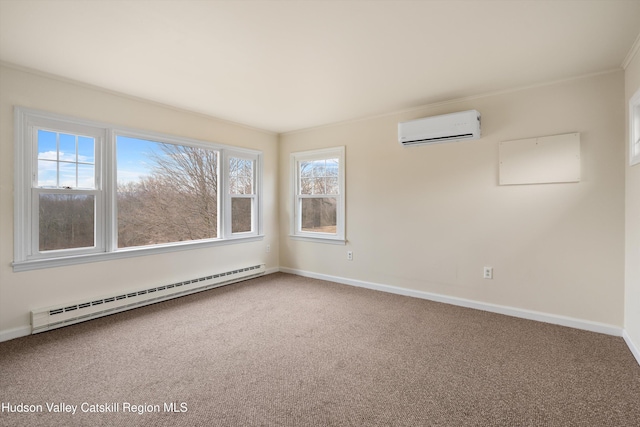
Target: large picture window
{"type": "Point", "coordinates": [318, 201]}
{"type": "Point", "coordinates": [165, 192]}
{"type": "Point", "coordinates": [88, 191]}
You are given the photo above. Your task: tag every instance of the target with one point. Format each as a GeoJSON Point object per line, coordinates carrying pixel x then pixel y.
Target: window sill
{"type": "Point", "coordinates": [37, 264]}
{"type": "Point", "coordinates": [329, 240]}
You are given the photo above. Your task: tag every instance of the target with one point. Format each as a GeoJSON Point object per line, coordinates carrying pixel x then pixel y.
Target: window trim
{"type": "Point", "coordinates": [26, 156]}
{"type": "Point", "coordinates": [634, 129]}
{"type": "Point", "coordinates": [339, 238]}
{"type": "Point", "coordinates": [256, 221]}
{"type": "Point", "coordinates": [106, 231]}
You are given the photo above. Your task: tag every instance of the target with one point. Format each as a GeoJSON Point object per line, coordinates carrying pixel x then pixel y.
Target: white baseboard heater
{"type": "Point", "coordinates": [67, 314]}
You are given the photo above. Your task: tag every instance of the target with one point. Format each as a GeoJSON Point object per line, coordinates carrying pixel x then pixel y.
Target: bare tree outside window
{"type": "Point", "coordinates": [177, 201]}
{"type": "Point", "coordinates": [319, 181]}
{"type": "Point", "coordinates": [66, 221]}
{"type": "Point", "coordinates": [318, 184]}
{"type": "Point", "coordinates": [90, 191]}
{"type": "Point", "coordinates": [65, 185]}
{"type": "Point", "coordinates": [242, 191]}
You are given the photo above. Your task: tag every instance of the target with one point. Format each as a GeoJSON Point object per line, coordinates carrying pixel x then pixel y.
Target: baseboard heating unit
{"type": "Point", "coordinates": [66, 314]}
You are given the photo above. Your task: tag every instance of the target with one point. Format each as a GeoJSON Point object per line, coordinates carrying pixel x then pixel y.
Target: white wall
{"type": "Point", "coordinates": [423, 218]}
{"type": "Point", "coordinates": [429, 218]}
{"type": "Point", "coordinates": [632, 229]}
{"type": "Point", "coordinates": [22, 292]}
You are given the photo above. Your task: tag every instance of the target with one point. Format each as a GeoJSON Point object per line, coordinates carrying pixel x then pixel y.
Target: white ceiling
{"type": "Point", "coordinates": [288, 65]}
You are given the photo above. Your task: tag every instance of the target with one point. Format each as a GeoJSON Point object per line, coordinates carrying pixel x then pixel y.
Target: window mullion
{"type": "Point", "coordinates": [53, 150]}
{"type": "Point", "coordinates": [109, 186]}
{"type": "Point", "coordinates": [224, 196]}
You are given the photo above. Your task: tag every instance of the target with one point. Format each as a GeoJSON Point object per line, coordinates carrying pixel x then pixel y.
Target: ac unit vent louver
{"type": "Point", "coordinates": [67, 314]}
{"type": "Point", "coordinates": [464, 125]}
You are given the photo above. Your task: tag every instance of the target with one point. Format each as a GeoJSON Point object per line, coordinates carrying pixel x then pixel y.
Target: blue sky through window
{"type": "Point", "coordinates": [134, 158]}
{"type": "Point", "coordinates": [65, 160]}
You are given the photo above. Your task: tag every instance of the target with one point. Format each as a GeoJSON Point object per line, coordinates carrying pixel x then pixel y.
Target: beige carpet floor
{"type": "Point", "coordinates": [283, 350]}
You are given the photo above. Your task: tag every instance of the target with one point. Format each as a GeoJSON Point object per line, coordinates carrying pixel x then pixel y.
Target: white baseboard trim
{"type": "Point", "coordinates": [587, 325]}
{"type": "Point", "coordinates": [24, 331]}
{"type": "Point", "coordinates": [635, 350]}
{"type": "Point", "coordinates": [10, 334]}
{"type": "Point", "coordinates": [570, 322]}
{"type": "Point", "coordinates": [272, 270]}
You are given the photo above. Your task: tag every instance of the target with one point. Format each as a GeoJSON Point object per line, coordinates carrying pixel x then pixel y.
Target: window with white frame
{"type": "Point", "coordinates": [634, 129]}
{"type": "Point", "coordinates": [318, 183]}
{"type": "Point", "coordinates": [241, 194]}
{"type": "Point", "coordinates": [89, 191]}
{"type": "Point", "coordinates": [59, 189]}
{"type": "Point", "coordinates": [165, 192]}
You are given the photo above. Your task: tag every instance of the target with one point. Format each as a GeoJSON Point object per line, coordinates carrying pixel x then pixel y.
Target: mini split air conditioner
{"type": "Point", "coordinates": [437, 129]}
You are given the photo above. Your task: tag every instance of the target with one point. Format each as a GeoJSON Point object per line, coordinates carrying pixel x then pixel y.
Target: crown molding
{"type": "Point", "coordinates": [632, 53]}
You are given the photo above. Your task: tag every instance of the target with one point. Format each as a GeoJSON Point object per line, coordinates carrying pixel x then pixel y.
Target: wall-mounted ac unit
{"type": "Point", "coordinates": [437, 129]}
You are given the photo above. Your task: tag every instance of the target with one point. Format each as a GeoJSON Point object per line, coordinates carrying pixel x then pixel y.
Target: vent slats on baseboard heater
{"type": "Point", "coordinates": [67, 314]}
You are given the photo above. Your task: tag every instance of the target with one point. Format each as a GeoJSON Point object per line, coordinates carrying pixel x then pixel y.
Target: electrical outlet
{"type": "Point", "coordinates": [488, 273]}
{"type": "Point", "coordinates": [349, 255]}
{"type": "Point", "coordinates": [268, 248]}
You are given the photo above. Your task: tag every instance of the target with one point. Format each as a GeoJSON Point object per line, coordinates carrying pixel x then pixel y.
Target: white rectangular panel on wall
{"type": "Point", "coordinates": [544, 160]}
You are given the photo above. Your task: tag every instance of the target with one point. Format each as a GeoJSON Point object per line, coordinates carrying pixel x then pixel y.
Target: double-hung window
{"type": "Point", "coordinates": [59, 189]}
{"type": "Point", "coordinates": [318, 183]}
{"type": "Point", "coordinates": [88, 191]}
{"type": "Point", "coordinates": [241, 193]}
